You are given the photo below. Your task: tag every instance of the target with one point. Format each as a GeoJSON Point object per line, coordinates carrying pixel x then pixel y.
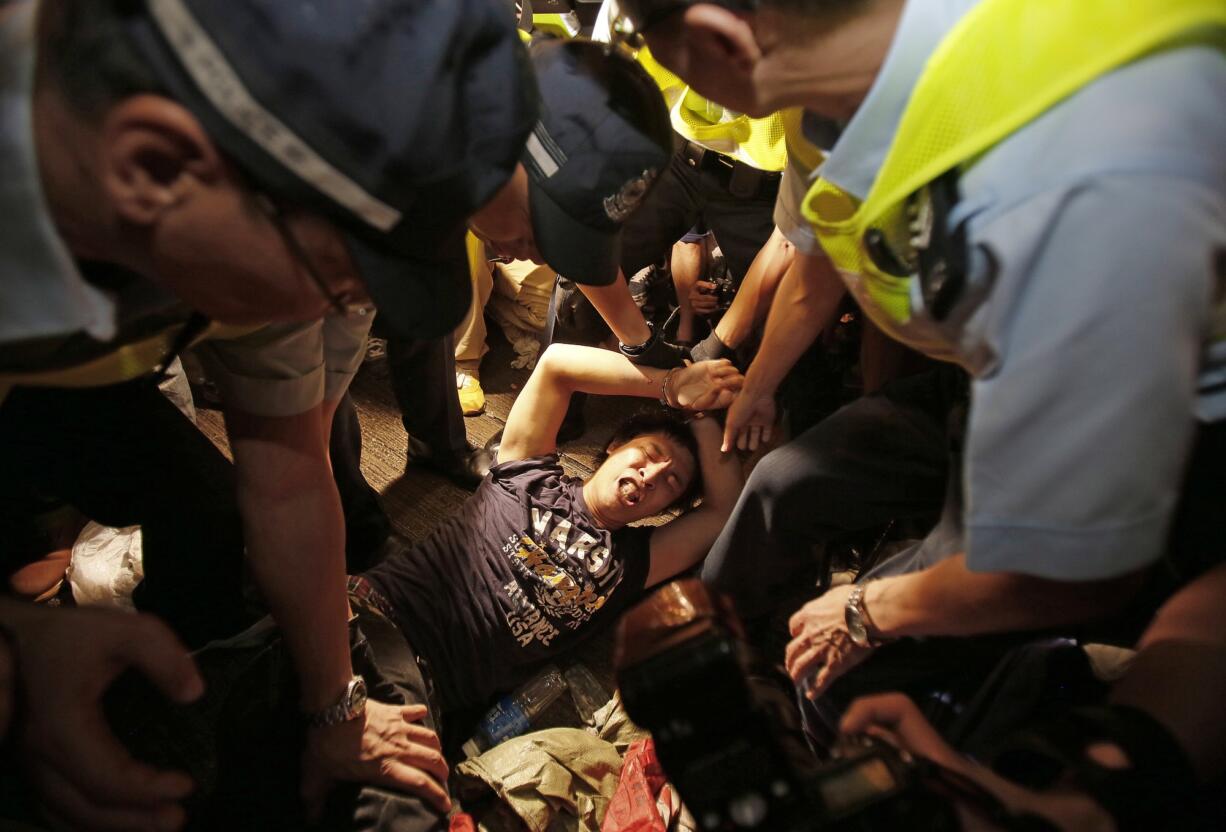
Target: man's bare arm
{"type": "Point", "coordinates": [805, 303]}
{"type": "Point", "coordinates": [619, 310]}
{"type": "Point", "coordinates": [754, 298]}
{"type": "Point", "coordinates": [944, 600]}
{"type": "Point", "coordinates": [948, 599]}
{"type": "Point", "coordinates": [532, 426]}
{"type": "Point", "coordinates": [685, 541]}
{"type": "Point", "coordinates": [294, 529]}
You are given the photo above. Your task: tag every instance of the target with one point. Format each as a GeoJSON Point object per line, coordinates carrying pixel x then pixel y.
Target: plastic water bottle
{"type": "Point", "coordinates": [587, 693]}
{"type": "Point", "coordinates": [513, 715]}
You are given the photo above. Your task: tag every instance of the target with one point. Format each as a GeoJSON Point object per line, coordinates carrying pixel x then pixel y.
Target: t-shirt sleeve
{"type": "Point", "coordinates": [633, 546]}
{"type": "Point", "coordinates": [795, 184]}
{"type": "Point", "coordinates": [286, 369]}
{"type": "Point", "coordinates": [1099, 318]}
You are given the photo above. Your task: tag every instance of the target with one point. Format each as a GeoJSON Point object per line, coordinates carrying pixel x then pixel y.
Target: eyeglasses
{"type": "Point", "coordinates": [341, 304]}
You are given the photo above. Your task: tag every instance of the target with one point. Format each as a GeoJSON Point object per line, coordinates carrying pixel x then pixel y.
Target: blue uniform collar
{"type": "Point", "coordinates": [856, 158]}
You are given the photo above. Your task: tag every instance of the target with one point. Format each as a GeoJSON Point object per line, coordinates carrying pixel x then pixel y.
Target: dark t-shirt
{"type": "Point", "coordinates": [519, 574]}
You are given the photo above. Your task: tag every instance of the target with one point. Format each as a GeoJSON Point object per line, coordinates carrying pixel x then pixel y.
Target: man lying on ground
{"type": "Point", "coordinates": [533, 563]}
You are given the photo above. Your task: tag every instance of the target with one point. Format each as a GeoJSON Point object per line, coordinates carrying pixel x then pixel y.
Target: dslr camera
{"type": "Point", "coordinates": [727, 731]}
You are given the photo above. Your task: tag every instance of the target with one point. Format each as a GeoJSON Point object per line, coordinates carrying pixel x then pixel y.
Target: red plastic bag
{"type": "Point", "coordinates": [462, 823]}
{"type": "Point", "coordinates": [633, 807]}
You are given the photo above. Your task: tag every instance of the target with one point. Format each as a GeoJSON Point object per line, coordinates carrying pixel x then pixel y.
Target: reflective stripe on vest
{"type": "Point", "coordinates": [975, 91]}
{"type": "Point", "coordinates": [125, 363]}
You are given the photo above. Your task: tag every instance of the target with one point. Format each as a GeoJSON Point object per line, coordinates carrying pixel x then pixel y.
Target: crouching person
{"type": "Point", "coordinates": [532, 564]}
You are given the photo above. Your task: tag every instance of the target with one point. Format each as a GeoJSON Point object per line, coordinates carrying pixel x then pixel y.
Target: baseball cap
{"type": "Point", "coordinates": [602, 139]}
{"type": "Point", "coordinates": [395, 119]}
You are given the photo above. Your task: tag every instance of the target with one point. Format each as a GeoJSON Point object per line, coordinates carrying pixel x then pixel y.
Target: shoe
{"type": "Point", "coordinates": [472, 397]}
{"type": "Point", "coordinates": [464, 468]}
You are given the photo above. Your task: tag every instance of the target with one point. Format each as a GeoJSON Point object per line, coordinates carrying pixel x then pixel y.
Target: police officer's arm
{"type": "Point", "coordinates": [756, 294]}
{"type": "Point", "coordinates": [805, 303]}
{"type": "Point", "coordinates": [294, 531]}
{"type": "Point", "coordinates": [564, 369]}
{"type": "Point", "coordinates": [295, 535]}
{"type": "Point", "coordinates": [685, 541]}
{"type": "Point", "coordinates": [1080, 430]}
{"type": "Point", "coordinates": [619, 310]}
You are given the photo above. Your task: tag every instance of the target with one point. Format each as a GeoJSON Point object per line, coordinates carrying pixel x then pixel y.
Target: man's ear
{"type": "Point", "coordinates": [154, 153]}
{"type": "Point", "coordinates": [718, 34]}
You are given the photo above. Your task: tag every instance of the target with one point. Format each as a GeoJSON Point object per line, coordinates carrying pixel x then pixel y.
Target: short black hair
{"type": "Point", "coordinates": [669, 425]}
{"type": "Point", "coordinates": [84, 50]}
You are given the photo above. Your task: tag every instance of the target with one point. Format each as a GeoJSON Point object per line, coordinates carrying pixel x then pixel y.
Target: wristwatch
{"type": "Point", "coordinates": [351, 705]}
{"type": "Point", "coordinates": [859, 624]}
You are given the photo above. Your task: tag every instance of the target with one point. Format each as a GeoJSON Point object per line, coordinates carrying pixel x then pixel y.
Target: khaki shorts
{"type": "Point", "coordinates": [286, 369]}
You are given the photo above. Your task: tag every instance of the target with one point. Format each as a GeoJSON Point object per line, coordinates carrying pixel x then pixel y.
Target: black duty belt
{"type": "Point", "coordinates": [741, 180]}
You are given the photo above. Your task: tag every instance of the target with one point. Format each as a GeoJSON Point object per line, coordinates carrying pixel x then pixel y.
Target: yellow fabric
{"type": "Point", "coordinates": [1004, 65]}
{"type": "Point", "coordinates": [475, 250]}
{"type": "Point", "coordinates": [124, 363]}
{"type": "Point", "coordinates": [759, 142]}
{"type": "Point", "coordinates": [564, 26]}
{"type": "Point", "coordinates": [799, 148]}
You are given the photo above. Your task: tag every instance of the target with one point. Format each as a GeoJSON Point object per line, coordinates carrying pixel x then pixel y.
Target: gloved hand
{"type": "Point", "coordinates": [656, 352]}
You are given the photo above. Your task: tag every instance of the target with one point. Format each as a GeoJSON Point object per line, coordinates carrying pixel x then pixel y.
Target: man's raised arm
{"type": "Point", "coordinates": [564, 369]}
{"type": "Point", "coordinates": [805, 303]}
{"type": "Point", "coordinates": [686, 540]}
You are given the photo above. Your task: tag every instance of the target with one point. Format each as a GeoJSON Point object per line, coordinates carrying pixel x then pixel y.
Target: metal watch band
{"type": "Point", "coordinates": [351, 705]}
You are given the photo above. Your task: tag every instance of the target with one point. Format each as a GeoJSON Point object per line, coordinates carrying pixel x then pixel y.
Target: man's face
{"type": "Point", "coordinates": [146, 187]}
{"type": "Point", "coordinates": [504, 224]}
{"type": "Point", "coordinates": [229, 260]}
{"type": "Point", "coordinates": [641, 478]}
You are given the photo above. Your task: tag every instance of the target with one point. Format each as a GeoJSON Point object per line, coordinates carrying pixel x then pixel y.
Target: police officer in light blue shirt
{"type": "Point", "coordinates": [1090, 317]}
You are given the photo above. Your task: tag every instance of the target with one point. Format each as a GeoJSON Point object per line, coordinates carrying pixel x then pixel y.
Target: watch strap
{"type": "Point", "coordinates": [350, 705]}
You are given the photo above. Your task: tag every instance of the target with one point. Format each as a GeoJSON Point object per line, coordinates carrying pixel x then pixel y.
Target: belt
{"type": "Point", "coordinates": [740, 179]}
{"type": "Point", "coordinates": [364, 590]}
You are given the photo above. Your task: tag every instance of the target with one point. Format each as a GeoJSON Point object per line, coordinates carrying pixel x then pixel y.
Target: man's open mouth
{"type": "Point", "coordinates": [629, 491]}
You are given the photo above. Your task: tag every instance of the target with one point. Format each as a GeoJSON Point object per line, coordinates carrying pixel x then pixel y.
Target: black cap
{"type": "Point", "coordinates": [396, 119]}
{"type": "Point", "coordinates": [603, 138]}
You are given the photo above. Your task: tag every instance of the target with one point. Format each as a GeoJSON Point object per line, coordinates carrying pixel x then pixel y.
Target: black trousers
{"type": "Point", "coordinates": [242, 742]}
{"type": "Point", "coordinates": [683, 195]}
{"type": "Point", "coordinates": [882, 457]}
{"type": "Point", "coordinates": [123, 455]}
{"type": "Point", "coordinates": [423, 381]}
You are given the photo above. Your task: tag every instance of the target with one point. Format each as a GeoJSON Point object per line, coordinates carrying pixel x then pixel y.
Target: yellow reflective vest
{"type": "Point", "coordinates": [974, 93]}
{"type": "Point", "coordinates": [759, 142]}
{"type": "Point", "coordinates": [113, 365]}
